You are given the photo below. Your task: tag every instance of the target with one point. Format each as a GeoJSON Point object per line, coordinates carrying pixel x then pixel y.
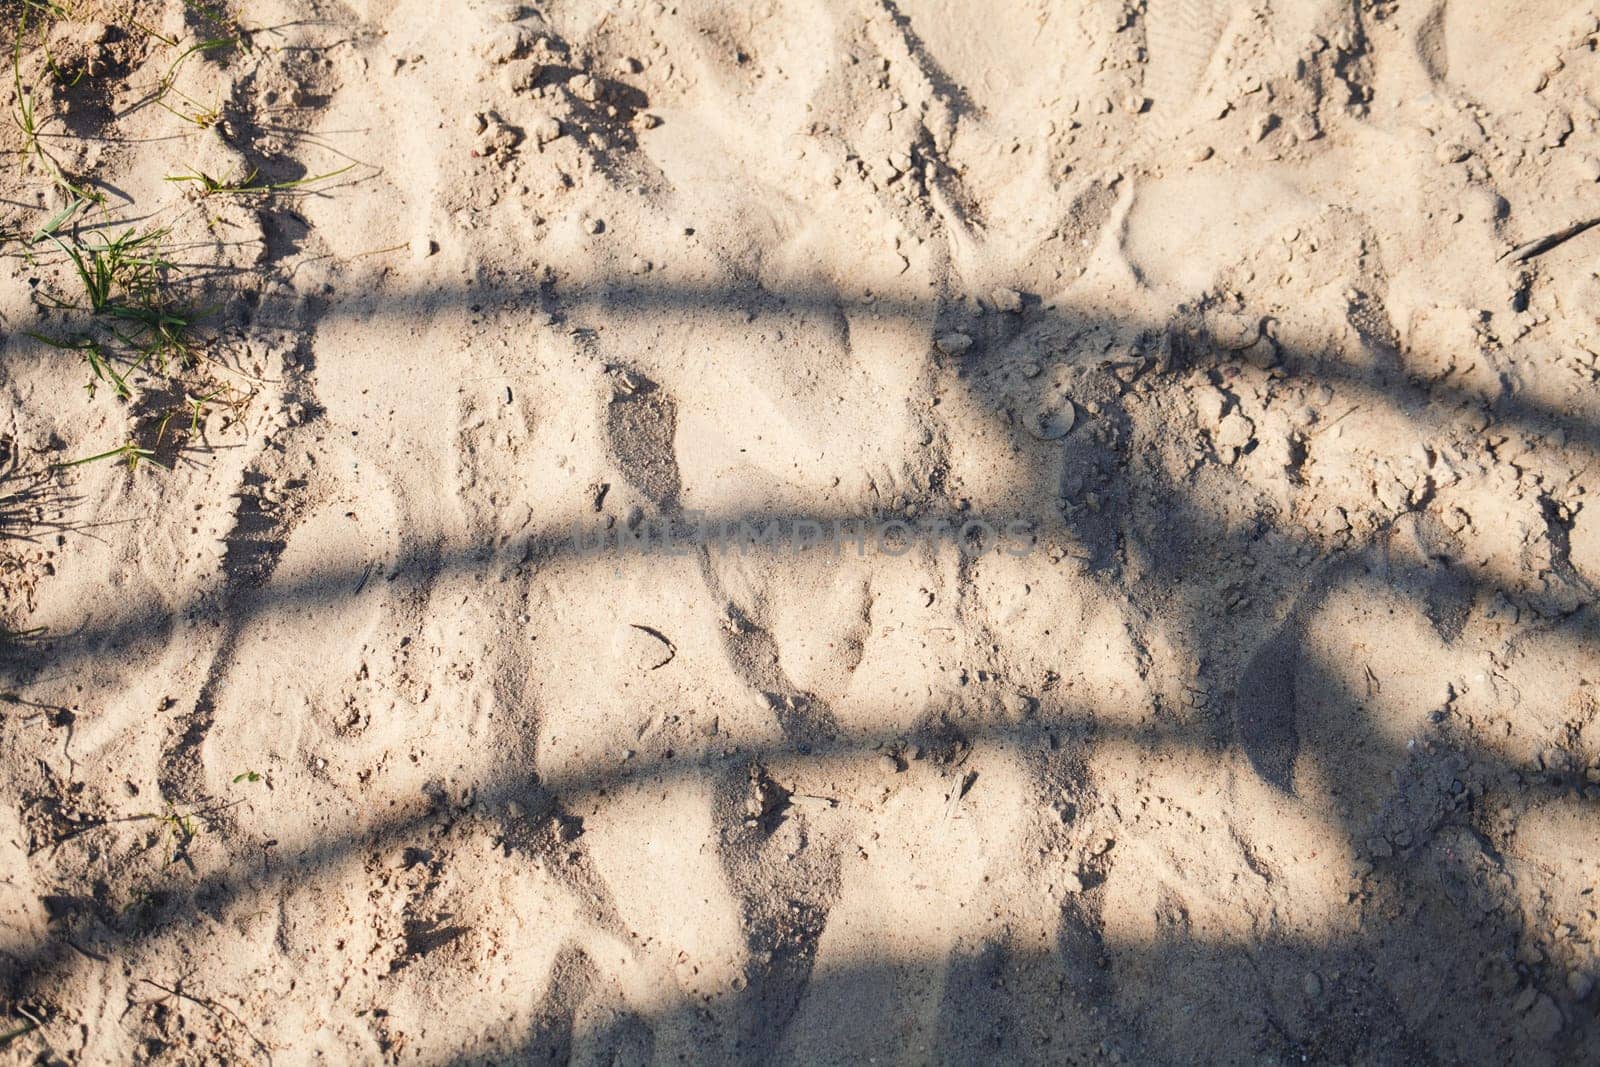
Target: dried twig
{"type": "Point", "coordinates": [1523, 253]}
{"type": "Point", "coordinates": [21, 1031]}
{"type": "Point", "coordinates": [146, 816]}
{"type": "Point", "coordinates": [220, 1011]}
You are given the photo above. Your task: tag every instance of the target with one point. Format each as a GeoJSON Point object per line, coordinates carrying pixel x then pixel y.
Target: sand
{"type": "Point", "coordinates": [560, 628]}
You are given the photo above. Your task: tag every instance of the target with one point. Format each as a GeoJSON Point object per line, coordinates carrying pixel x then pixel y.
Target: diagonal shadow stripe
{"type": "Point", "coordinates": [1198, 530]}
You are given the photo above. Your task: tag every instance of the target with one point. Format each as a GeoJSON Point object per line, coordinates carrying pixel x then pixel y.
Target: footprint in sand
{"type": "Point", "coordinates": [299, 677]}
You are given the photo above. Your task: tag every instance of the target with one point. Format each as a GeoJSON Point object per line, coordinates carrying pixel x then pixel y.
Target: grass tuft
{"type": "Point", "coordinates": [129, 452]}
{"type": "Point", "coordinates": [210, 186]}
{"type": "Point", "coordinates": [112, 297]}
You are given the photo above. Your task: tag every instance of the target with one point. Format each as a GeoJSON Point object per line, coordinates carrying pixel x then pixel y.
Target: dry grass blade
{"type": "Point", "coordinates": [210, 186]}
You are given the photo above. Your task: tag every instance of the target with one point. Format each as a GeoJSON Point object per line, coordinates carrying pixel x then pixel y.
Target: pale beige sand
{"type": "Point", "coordinates": [1277, 747]}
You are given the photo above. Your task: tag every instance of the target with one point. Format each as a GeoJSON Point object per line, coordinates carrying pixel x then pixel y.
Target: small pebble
{"type": "Point", "coordinates": [520, 75]}
{"type": "Point", "coordinates": [509, 12]}
{"type": "Point", "coordinates": [545, 129]}
{"type": "Point", "coordinates": [1052, 423]}
{"type": "Point", "coordinates": [1544, 1022]}
{"type": "Point", "coordinates": [1007, 300]}
{"type": "Point", "coordinates": [422, 248]}
{"type": "Point", "coordinates": [1451, 152]}
{"type": "Point", "coordinates": [1234, 332]}
{"type": "Point", "coordinates": [627, 384]}
{"type": "Point", "coordinates": [954, 345]}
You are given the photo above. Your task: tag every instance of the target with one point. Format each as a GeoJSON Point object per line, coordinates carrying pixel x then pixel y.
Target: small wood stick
{"type": "Point", "coordinates": [1523, 253]}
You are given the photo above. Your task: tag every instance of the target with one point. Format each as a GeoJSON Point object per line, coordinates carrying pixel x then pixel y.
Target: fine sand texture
{"type": "Point", "coordinates": [860, 531]}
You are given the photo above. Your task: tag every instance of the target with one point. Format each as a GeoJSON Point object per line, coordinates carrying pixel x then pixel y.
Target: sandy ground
{"type": "Point", "coordinates": [355, 732]}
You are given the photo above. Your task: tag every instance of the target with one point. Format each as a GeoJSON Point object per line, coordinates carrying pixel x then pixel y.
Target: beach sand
{"type": "Point", "coordinates": [872, 531]}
